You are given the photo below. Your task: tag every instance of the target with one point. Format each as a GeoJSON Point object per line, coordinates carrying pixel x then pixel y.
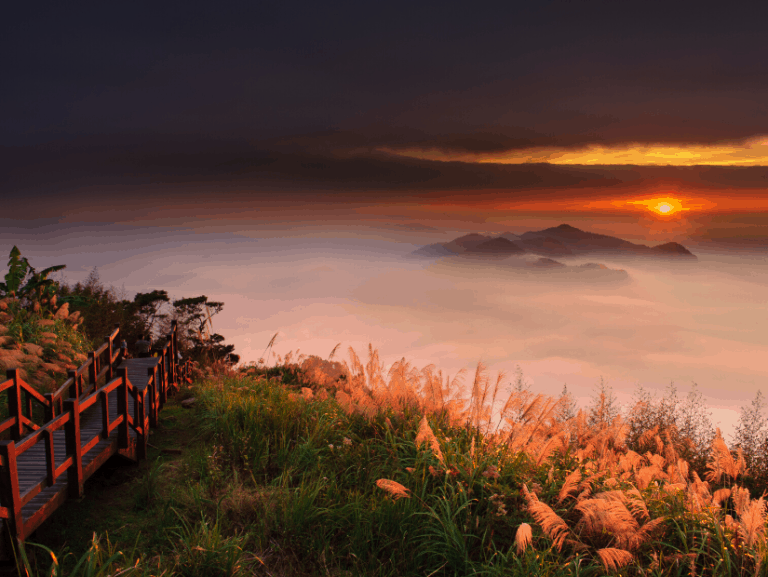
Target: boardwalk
{"type": "Point", "coordinates": [110, 405]}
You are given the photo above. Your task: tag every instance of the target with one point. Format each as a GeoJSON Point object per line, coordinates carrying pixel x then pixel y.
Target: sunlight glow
{"type": "Point", "coordinates": [752, 152]}
{"type": "Point", "coordinates": [666, 206]}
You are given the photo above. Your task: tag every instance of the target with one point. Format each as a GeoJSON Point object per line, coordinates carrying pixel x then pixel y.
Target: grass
{"type": "Point", "coordinates": [326, 469]}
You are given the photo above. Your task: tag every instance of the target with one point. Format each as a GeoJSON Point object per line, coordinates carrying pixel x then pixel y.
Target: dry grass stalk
{"type": "Point", "coordinates": [752, 523]}
{"type": "Point", "coordinates": [636, 504]}
{"type": "Point", "coordinates": [719, 496]}
{"type": "Point", "coordinates": [600, 516]}
{"type": "Point", "coordinates": [570, 485]}
{"type": "Point", "coordinates": [740, 497]}
{"type": "Point", "coordinates": [551, 523]}
{"type": "Point", "coordinates": [646, 475]}
{"type": "Point", "coordinates": [613, 558]}
{"type": "Point", "coordinates": [523, 537]}
{"type": "Point", "coordinates": [394, 488]}
{"type": "Point", "coordinates": [425, 435]}
{"type": "Point", "coordinates": [721, 461]}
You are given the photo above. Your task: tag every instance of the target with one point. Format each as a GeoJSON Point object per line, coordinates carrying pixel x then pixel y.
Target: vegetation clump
{"type": "Point", "coordinates": [316, 466]}
{"type": "Point", "coordinates": [371, 472]}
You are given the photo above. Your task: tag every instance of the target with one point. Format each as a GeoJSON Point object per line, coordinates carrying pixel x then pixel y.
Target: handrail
{"type": "Point", "coordinates": [74, 383]}
{"type": "Point", "coordinates": [147, 402]}
{"type": "Point", "coordinates": [18, 391]}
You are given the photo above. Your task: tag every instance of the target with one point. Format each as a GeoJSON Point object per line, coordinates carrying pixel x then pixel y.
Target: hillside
{"type": "Point", "coordinates": [318, 467]}
{"type": "Point", "coordinates": [560, 241]}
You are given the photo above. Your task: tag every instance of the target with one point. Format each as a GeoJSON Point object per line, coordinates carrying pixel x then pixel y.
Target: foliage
{"type": "Point", "coordinates": [149, 310]}
{"type": "Point", "coordinates": [23, 282]}
{"type": "Point", "coordinates": [751, 436]}
{"type": "Point", "coordinates": [604, 408]}
{"type": "Point", "coordinates": [355, 470]}
{"type": "Point", "coordinates": [196, 336]}
{"type": "Point", "coordinates": [685, 424]}
{"type": "Point", "coordinates": [102, 308]}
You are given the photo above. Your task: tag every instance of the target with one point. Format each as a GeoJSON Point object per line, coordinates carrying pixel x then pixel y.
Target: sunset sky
{"type": "Point", "coordinates": [393, 103]}
{"type": "Point", "coordinates": [129, 130]}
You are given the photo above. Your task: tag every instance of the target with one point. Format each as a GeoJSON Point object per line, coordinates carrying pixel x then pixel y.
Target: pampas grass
{"type": "Point", "coordinates": [613, 558]}
{"type": "Point", "coordinates": [426, 436]}
{"type": "Point", "coordinates": [394, 488]}
{"type": "Point", "coordinates": [523, 537]}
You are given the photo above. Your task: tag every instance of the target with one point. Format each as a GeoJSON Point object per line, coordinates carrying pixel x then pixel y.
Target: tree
{"type": "Point", "coordinates": [604, 408]}
{"type": "Point", "coordinates": [642, 417]}
{"type": "Point", "coordinates": [101, 309]}
{"type": "Point", "coordinates": [149, 309]}
{"type": "Point", "coordinates": [681, 425]}
{"type": "Point", "coordinates": [752, 429]}
{"type": "Point", "coordinates": [567, 408]}
{"type": "Point", "coordinates": [25, 283]}
{"type": "Point", "coordinates": [694, 423]}
{"type": "Point", "coordinates": [521, 390]}
{"type": "Point", "coordinates": [196, 336]}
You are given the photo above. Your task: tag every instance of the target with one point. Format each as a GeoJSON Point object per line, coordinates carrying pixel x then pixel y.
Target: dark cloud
{"type": "Point", "coordinates": [320, 162]}
{"type": "Point", "coordinates": [146, 163]}
{"type": "Point", "coordinates": [595, 70]}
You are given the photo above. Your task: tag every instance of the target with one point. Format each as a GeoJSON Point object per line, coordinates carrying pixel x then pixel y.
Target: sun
{"type": "Point", "coordinates": [666, 206]}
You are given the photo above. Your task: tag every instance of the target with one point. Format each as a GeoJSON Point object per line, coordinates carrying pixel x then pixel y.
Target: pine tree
{"type": "Point", "coordinates": [604, 408]}
{"type": "Point", "coordinates": [521, 390]}
{"type": "Point", "coordinates": [752, 430]}
{"type": "Point", "coordinates": [567, 409]}
{"type": "Point", "coordinates": [642, 417]}
{"type": "Point", "coordinates": [694, 424]}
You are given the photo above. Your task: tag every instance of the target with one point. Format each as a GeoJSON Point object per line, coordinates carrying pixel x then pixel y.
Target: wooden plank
{"type": "Point", "coordinates": [52, 457]}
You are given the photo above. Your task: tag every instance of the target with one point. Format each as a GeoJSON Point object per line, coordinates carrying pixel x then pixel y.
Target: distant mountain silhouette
{"type": "Point", "coordinates": [673, 248]}
{"type": "Point", "coordinates": [547, 263]}
{"type": "Point", "coordinates": [545, 245]}
{"type": "Point", "coordinates": [509, 236]}
{"type": "Point", "coordinates": [434, 250]}
{"type": "Point", "coordinates": [498, 245]}
{"type": "Point", "coordinates": [559, 241]}
{"type": "Point", "coordinates": [466, 243]}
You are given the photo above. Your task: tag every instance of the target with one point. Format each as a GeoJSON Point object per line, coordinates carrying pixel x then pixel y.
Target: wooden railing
{"type": "Point", "coordinates": [101, 365]}
{"type": "Point", "coordinates": [84, 393]}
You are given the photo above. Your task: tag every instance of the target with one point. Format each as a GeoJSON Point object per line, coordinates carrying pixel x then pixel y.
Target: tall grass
{"type": "Point", "coordinates": [321, 467]}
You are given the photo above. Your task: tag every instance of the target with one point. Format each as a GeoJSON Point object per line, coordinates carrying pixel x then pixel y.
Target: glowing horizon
{"type": "Point", "coordinates": [751, 152]}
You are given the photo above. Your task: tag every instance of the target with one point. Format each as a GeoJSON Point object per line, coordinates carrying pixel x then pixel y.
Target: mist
{"type": "Point", "coordinates": [661, 322]}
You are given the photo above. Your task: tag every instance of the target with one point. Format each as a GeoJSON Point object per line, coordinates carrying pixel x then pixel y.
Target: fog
{"type": "Point", "coordinates": [662, 322]}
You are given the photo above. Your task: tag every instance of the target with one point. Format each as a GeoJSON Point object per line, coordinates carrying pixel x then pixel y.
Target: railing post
{"type": "Point", "coordinates": [93, 370]}
{"type": "Point", "coordinates": [152, 391]}
{"type": "Point", "coordinates": [140, 417]}
{"type": "Point", "coordinates": [122, 409]}
{"type": "Point", "coordinates": [165, 384]}
{"type": "Point", "coordinates": [110, 372]}
{"type": "Point", "coordinates": [50, 410]}
{"type": "Point", "coordinates": [74, 448]}
{"type": "Point", "coordinates": [119, 359]}
{"type": "Point", "coordinates": [28, 399]}
{"type": "Point", "coordinates": [175, 348]}
{"type": "Point", "coordinates": [104, 400]}
{"type": "Point", "coordinates": [14, 404]}
{"type": "Point", "coordinates": [50, 458]}
{"type": "Point", "coordinates": [73, 391]}
{"type": "Point", "coordinates": [9, 489]}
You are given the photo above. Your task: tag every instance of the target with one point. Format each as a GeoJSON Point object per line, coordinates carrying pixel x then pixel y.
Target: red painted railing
{"type": "Point", "coordinates": [83, 393]}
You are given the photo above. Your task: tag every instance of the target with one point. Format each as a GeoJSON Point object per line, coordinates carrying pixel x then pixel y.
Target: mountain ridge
{"type": "Point", "coordinates": [559, 241]}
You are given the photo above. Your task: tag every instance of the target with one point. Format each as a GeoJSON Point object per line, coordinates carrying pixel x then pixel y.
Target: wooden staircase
{"type": "Point", "coordinates": [105, 407]}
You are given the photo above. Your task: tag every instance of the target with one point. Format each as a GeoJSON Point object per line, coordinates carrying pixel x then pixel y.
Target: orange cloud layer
{"type": "Point", "coordinates": [752, 152]}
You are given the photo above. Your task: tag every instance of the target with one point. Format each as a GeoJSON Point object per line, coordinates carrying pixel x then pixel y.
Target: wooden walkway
{"type": "Point", "coordinates": [110, 406]}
